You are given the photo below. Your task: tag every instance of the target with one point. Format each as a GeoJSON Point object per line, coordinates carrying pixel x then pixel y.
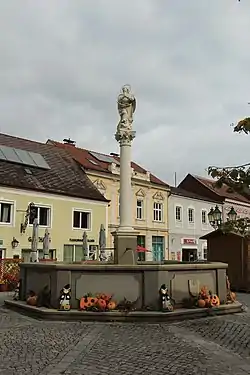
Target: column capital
{"type": "Point", "coordinates": [125, 136]}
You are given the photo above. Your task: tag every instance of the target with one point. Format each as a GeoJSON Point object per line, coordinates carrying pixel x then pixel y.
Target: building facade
{"type": "Point", "coordinates": [223, 195]}
{"type": "Point", "coordinates": [64, 201]}
{"type": "Point", "coordinates": [188, 221]}
{"type": "Point", "coordinates": [149, 199]}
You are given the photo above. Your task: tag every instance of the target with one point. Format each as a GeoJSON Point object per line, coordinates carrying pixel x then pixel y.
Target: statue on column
{"type": "Point", "coordinates": [126, 104]}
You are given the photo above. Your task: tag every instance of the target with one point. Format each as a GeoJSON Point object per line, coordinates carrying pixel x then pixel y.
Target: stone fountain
{"type": "Point", "coordinates": [124, 278]}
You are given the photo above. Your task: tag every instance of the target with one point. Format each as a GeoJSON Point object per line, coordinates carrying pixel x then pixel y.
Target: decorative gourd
{"type": "Point", "coordinates": [214, 300]}
{"type": "Point", "coordinates": [101, 304]}
{"type": "Point", "coordinates": [87, 302]}
{"type": "Point", "coordinates": [111, 305]}
{"type": "Point", "coordinates": [201, 303]}
{"type": "Point", "coordinates": [207, 302]}
{"type": "Point", "coordinates": [32, 300]}
{"type": "Point", "coordinates": [233, 296]}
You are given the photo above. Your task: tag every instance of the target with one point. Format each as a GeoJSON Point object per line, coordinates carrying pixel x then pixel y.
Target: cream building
{"type": "Point", "coordinates": [66, 203]}
{"type": "Point", "coordinates": [150, 198]}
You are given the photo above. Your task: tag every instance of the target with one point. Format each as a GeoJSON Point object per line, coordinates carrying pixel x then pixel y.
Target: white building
{"type": "Point", "coordinates": [188, 221]}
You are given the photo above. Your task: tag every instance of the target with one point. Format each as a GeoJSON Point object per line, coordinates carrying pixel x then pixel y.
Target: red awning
{"type": "Point", "coordinates": [141, 249]}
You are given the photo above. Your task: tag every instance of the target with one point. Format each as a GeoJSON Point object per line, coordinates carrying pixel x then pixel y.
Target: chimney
{"type": "Point", "coordinates": [69, 142]}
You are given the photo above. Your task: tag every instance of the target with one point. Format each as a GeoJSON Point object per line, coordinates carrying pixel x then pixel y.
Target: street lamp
{"type": "Point", "coordinates": [232, 214]}
{"type": "Point", "coordinates": [215, 217]}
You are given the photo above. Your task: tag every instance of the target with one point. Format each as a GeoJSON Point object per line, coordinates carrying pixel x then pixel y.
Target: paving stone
{"type": "Point", "coordinates": [209, 346]}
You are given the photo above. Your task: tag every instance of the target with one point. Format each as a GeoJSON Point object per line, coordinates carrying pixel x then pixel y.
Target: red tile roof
{"type": "Point", "coordinates": [225, 191]}
{"type": "Point", "coordinates": [89, 162]}
{"type": "Point", "coordinates": [65, 176]}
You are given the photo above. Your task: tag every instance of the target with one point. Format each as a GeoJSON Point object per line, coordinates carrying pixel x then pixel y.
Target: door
{"type": "Point", "coordinates": [158, 248]}
{"type": "Point", "coordinates": [189, 255]}
{"type": "Point", "coordinates": [141, 241]}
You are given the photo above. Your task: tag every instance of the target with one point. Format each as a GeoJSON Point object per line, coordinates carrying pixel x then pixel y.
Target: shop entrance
{"type": "Point", "coordinates": [189, 255]}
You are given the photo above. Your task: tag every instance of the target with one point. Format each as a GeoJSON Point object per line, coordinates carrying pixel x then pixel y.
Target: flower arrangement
{"type": "Point", "coordinates": [3, 281]}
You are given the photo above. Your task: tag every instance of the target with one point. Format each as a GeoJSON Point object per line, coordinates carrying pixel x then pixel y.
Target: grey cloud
{"type": "Point", "coordinates": [63, 63]}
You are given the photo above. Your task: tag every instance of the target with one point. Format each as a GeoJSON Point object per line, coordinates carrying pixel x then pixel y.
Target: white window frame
{"type": "Point", "coordinates": [83, 210]}
{"type": "Point", "coordinates": [181, 210]}
{"type": "Point", "coordinates": [203, 250]}
{"type": "Point", "coordinates": [206, 218]}
{"type": "Point", "coordinates": [159, 210]}
{"type": "Point", "coordinates": [140, 209]}
{"type": "Point", "coordinates": [193, 210]}
{"type": "Point", "coordinates": [12, 212]}
{"type": "Point", "coordinates": [42, 205]}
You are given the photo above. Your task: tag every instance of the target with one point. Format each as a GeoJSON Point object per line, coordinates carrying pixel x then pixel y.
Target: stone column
{"type": "Point", "coordinates": [125, 238]}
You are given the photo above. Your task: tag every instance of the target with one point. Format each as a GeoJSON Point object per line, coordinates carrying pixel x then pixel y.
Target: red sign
{"type": "Point", "coordinates": [189, 241]}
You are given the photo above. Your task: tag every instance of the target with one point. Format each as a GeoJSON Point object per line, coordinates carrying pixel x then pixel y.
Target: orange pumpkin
{"type": "Point", "coordinates": [207, 301]}
{"type": "Point", "coordinates": [233, 296]}
{"type": "Point", "coordinates": [32, 300]}
{"type": "Point", "coordinates": [111, 305]}
{"type": "Point", "coordinates": [214, 300]}
{"type": "Point", "coordinates": [201, 303]}
{"type": "Point", "coordinates": [101, 304]}
{"type": "Point", "coordinates": [87, 302]}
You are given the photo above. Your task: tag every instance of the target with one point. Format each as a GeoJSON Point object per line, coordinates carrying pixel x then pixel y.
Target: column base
{"type": "Point", "coordinates": [125, 244]}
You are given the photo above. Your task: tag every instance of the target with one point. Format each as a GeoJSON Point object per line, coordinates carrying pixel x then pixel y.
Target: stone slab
{"type": "Point", "coordinates": [112, 316]}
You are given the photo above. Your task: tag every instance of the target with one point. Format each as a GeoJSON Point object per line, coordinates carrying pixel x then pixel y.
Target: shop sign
{"type": "Point", "coordinates": [189, 241]}
{"type": "Point", "coordinates": [40, 239]}
{"type": "Point", "coordinates": [80, 240]}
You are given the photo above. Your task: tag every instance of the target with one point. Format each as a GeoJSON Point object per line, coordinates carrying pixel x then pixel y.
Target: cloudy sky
{"type": "Point", "coordinates": [63, 63]}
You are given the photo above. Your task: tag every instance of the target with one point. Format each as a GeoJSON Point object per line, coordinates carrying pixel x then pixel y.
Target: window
{"type": "Point", "coordinates": [73, 253]}
{"type": "Point", "coordinates": [6, 212]}
{"type": "Point", "coordinates": [42, 214]}
{"type": "Point", "coordinates": [191, 215]}
{"type": "Point", "coordinates": [157, 211]}
{"type": "Point", "coordinates": [205, 253]}
{"type": "Point", "coordinates": [139, 209]}
{"type": "Point", "coordinates": [81, 220]}
{"type": "Point", "coordinates": [141, 241]}
{"type": "Point", "coordinates": [178, 213]}
{"type": "Point", "coordinates": [204, 217]}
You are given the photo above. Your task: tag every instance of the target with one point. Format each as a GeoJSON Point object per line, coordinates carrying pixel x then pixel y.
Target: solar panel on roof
{"type": "Point", "coordinates": [39, 160]}
{"type": "Point", "coordinates": [25, 157]}
{"type": "Point", "coordinates": [16, 155]}
{"type": "Point", "coordinates": [104, 158]}
{"type": "Point", "coordinates": [10, 154]}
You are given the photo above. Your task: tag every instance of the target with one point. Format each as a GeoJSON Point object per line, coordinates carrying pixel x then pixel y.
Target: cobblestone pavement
{"type": "Point", "coordinates": [211, 346]}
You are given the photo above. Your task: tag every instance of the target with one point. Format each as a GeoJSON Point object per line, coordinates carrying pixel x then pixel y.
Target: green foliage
{"type": "Point", "coordinates": [243, 126]}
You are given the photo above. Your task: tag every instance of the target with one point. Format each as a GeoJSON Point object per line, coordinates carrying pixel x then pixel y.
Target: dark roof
{"type": "Point", "coordinates": [218, 233]}
{"type": "Point", "coordinates": [208, 187]}
{"type": "Point", "coordinates": [225, 191]}
{"type": "Point", "coordinates": [84, 157]}
{"type": "Point", "coordinates": [64, 177]}
{"type": "Point", "coordinates": [184, 193]}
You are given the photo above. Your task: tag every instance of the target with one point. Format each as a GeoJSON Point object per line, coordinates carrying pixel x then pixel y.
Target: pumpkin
{"type": "Point", "coordinates": [207, 301]}
{"type": "Point", "coordinates": [32, 300]}
{"type": "Point", "coordinates": [111, 305]}
{"type": "Point", "coordinates": [101, 304]}
{"type": "Point", "coordinates": [214, 300]}
{"type": "Point", "coordinates": [201, 303]}
{"type": "Point", "coordinates": [233, 296]}
{"type": "Point", "coordinates": [87, 302]}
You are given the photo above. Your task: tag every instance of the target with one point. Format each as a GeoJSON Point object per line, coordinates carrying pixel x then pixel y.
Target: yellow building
{"type": "Point", "coordinates": [150, 198]}
{"type": "Point", "coordinates": [65, 200]}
